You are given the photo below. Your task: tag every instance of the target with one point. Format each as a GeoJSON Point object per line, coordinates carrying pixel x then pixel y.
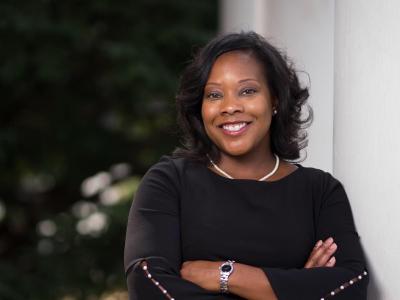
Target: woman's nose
{"type": "Point", "coordinates": [231, 105]}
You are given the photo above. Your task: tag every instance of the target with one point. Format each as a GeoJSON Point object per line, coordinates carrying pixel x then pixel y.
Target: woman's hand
{"type": "Point", "coordinates": [203, 273]}
{"type": "Point", "coordinates": [321, 255]}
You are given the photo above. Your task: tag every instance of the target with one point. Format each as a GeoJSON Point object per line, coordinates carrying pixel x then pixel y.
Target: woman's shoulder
{"type": "Point", "coordinates": [322, 182]}
{"type": "Point", "coordinates": [319, 177]}
{"type": "Point", "coordinates": [315, 173]}
{"type": "Point", "coordinates": [173, 167]}
{"type": "Point", "coordinates": [170, 163]}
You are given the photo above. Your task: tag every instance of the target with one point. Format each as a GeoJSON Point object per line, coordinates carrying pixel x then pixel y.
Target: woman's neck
{"type": "Point", "coordinates": [250, 166]}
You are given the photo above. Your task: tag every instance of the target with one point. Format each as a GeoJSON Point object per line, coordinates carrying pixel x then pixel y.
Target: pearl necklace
{"type": "Point", "coordinates": [261, 179]}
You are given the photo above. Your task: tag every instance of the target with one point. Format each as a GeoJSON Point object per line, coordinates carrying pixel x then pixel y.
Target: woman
{"type": "Point", "coordinates": [228, 216]}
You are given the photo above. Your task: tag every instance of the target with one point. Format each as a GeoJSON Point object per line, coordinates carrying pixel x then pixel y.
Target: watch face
{"type": "Point", "coordinates": [226, 268]}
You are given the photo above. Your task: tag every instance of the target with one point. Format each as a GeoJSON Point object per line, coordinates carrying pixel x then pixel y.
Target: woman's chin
{"type": "Point", "coordinates": [236, 151]}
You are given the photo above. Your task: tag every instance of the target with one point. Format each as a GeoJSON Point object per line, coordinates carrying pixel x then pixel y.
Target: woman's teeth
{"type": "Point", "coordinates": [234, 127]}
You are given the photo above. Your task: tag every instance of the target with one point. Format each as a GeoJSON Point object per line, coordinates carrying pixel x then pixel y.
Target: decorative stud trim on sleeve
{"type": "Point", "coordinates": [345, 285]}
{"type": "Point", "coordinates": [143, 264]}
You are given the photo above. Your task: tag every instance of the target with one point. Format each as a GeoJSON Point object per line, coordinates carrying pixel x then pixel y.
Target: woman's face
{"type": "Point", "coordinates": [237, 105]}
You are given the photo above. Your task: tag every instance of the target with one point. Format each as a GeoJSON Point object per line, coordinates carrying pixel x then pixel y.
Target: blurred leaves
{"type": "Point", "coordinates": [87, 88]}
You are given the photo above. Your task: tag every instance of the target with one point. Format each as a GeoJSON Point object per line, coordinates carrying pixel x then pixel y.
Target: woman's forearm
{"type": "Point", "coordinates": [246, 281]}
{"type": "Point", "coordinates": [250, 283]}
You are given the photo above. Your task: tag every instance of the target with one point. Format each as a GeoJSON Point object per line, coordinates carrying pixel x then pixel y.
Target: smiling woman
{"type": "Point", "coordinates": [262, 69]}
{"type": "Point", "coordinates": [230, 215]}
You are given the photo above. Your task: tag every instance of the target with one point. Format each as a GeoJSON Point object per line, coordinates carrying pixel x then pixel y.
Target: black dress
{"type": "Point", "coordinates": [184, 211]}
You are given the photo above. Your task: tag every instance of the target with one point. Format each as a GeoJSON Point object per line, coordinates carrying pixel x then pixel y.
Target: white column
{"type": "Point", "coordinates": [304, 28]}
{"type": "Point", "coordinates": [237, 15]}
{"type": "Point", "coordinates": [367, 130]}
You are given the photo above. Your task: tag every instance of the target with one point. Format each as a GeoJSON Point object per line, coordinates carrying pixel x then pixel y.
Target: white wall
{"type": "Point", "coordinates": [305, 30]}
{"type": "Point", "coordinates": [367, 130]}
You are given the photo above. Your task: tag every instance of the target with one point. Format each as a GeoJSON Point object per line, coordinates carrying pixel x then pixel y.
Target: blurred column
{"type": "Point", "coordinates": [236, 15]}
{"type": "Point", "coordinates": [303, 28]}
{"type": "Point", "coordinates": [367, 130]}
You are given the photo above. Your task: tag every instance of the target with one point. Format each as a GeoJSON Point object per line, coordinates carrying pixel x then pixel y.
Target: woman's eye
{"type": "Point", "coordinates": [213, 95]}
{"type": "Point", "coordinates": [248, 91]}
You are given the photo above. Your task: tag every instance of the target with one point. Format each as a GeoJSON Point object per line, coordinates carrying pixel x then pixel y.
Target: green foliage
{"type": "Point", "coordinates": [87, 89]}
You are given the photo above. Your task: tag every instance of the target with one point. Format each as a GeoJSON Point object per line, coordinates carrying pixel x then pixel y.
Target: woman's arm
{"type": "Point", "coordinates": [348, 280]}
{"type": "Point", "coordinates": [246, 281]}
{"type": "Point", "coordinates": [152, 247]}
{"type": "Point", "coordinates": [250, 282]}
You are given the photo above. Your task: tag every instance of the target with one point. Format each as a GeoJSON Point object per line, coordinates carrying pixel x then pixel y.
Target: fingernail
{"type": "Point", "coordinates": [332, 259]}
{"type": "Point", "coordinates": [333, 246]}
{"type": "Point", "coordinates": [329, 241]}
{"type": "Point", "coordinates": [318, 244]}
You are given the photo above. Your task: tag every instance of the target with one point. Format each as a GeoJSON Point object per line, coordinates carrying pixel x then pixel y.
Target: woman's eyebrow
{"type": "Point", "coordinates": [240, 81]}
{"type": "Point", "coordinates": [213, 83]}
{"type": "Point", "coordinates": [247, 79]}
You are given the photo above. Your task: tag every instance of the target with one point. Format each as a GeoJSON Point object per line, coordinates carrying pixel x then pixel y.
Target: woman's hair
{"type": "Point", "coordinates": [287, 132]}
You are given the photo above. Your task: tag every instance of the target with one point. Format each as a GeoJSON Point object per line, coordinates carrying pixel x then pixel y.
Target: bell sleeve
{"type": "Point", "coordinates": [348, 280]}
{"type": "Point", "coordinates": [152, 255]}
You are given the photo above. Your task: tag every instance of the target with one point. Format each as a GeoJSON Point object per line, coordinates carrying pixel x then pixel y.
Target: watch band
{"type": "Point", "coordinates": [226, 270]}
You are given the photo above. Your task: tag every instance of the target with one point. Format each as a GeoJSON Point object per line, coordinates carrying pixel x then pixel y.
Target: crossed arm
{"type": "Point", "coordinates": [247, 281]}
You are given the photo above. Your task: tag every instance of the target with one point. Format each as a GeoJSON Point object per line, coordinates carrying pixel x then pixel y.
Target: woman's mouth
{"type": "Point", "coordinates": [235, 128]}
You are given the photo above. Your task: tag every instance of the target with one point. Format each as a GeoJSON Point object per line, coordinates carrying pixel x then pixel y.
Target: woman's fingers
{"type": "Point", "coordinates": [331, 262]}
{"type": "Point", "coordinates": [317, 245]}
{"type": "Point", "coordinates": [310, 262]}
{"type": "Point", "coordinates": [326, 254]}
{"type": "Point", "coordinates": [315, 254]}
{"type": "Point", "coordinates": [321, 254]}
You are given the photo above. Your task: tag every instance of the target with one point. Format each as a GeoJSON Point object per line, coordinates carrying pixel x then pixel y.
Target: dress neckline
{"type": "Point", "coordinates": [298, 170]}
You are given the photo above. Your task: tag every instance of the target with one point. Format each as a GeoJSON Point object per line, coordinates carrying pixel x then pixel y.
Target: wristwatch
{"type": "Point", "coordinates": [225, 270]}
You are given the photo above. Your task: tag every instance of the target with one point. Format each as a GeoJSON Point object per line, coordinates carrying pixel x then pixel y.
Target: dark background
{"type": "Point", "coordinates": [86, 106]}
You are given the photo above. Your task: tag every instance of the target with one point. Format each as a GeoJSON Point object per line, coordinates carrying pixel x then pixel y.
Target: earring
{"type": "Point", "coordinates": [274, 112]}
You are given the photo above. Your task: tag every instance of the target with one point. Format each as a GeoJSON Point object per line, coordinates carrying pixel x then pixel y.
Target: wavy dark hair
{"type": "Point", "coordinates": [287, 131]}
